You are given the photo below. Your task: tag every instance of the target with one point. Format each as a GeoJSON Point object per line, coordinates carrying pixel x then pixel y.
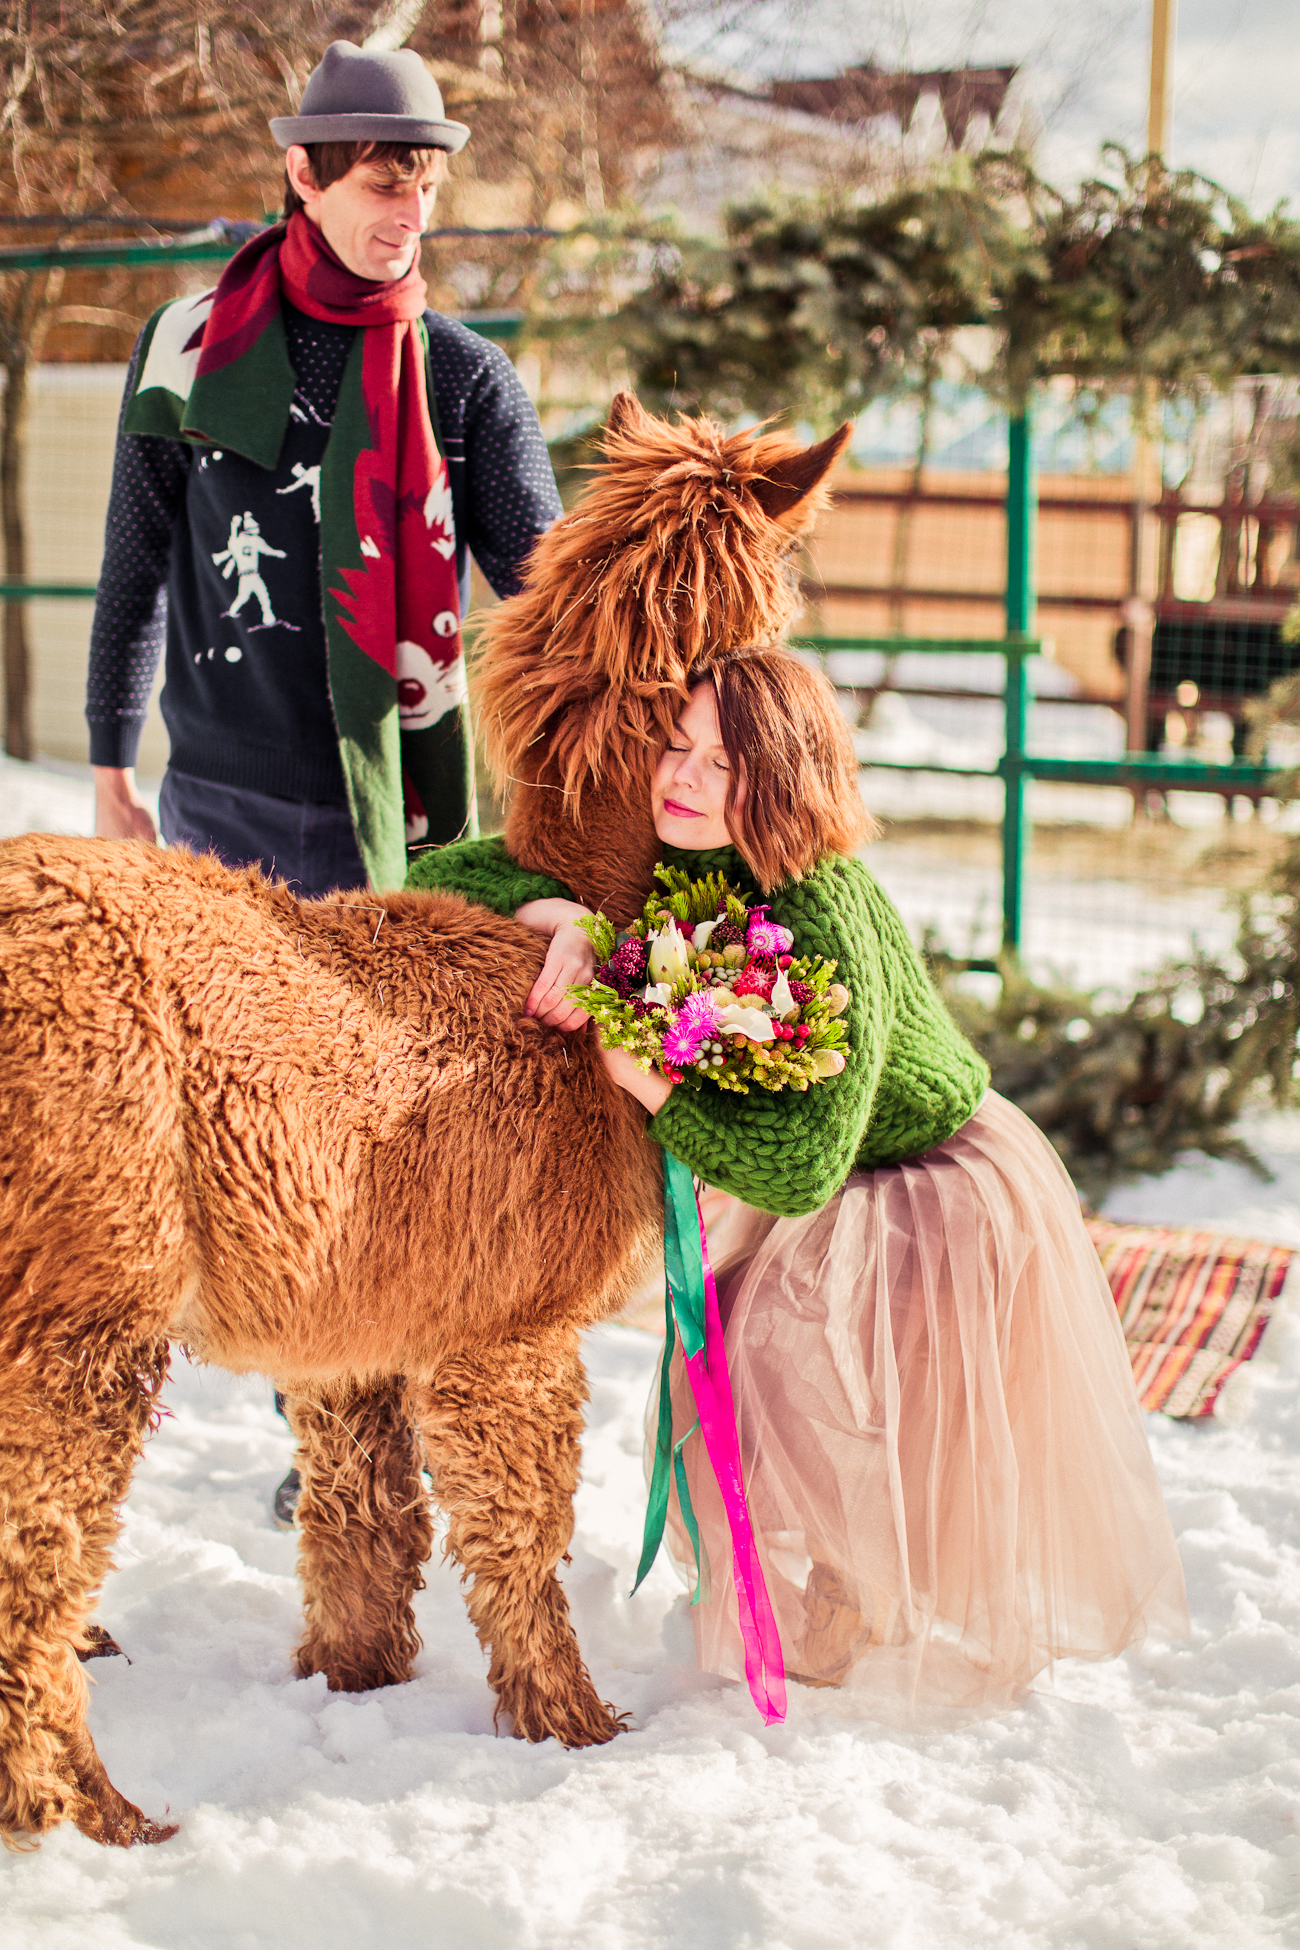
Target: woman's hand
{"type": "Point", "coordinates": [647, 1086]}
{"type": "Point", "coordinates": [570, 959]}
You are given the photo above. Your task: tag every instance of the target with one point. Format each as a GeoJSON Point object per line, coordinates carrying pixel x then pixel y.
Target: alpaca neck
{"type": "Point", "coordinates": [608, 861]}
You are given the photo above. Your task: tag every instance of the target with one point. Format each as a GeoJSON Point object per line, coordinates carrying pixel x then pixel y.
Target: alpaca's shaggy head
{"type": "Point", "coordinates": [684, 542]}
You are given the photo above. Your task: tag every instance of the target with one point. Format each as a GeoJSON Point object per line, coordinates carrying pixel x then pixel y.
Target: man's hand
{"type": "Point", "coordinates": [120, 813]}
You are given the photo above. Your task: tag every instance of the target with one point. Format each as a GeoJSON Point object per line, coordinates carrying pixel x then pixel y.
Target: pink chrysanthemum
{"type": "Point", "coordinates": [692, 1027]}
{"type": "Point", "coordinates": [766, 937]}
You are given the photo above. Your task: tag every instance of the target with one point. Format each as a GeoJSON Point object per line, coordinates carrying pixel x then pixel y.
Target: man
{"type": "Point", "coordinates": [317, 715]}
{"type": "Point", "coordinates": [310, 432]}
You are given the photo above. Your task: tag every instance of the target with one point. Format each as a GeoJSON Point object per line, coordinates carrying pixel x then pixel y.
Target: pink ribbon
{"type": "Point", "coordinates": [711, 1386]}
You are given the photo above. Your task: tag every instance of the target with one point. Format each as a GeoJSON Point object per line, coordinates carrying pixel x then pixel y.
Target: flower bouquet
{"type": "Point", "coordinates": [706, 985]}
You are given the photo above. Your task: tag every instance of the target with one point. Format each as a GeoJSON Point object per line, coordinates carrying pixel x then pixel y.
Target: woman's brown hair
{"type": "Point", "coordinates": [787, 742]}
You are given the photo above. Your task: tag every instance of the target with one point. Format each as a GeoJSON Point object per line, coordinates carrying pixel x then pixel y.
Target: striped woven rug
{"type": "Point", "coordinates": [1193, 1306]}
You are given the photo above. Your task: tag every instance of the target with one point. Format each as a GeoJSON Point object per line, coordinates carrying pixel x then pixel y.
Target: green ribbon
{"type": "Point", "coordinates": [684, 1302]}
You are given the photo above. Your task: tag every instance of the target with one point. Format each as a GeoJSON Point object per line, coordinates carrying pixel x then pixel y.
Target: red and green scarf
{"type": "Point", "coordinates": [215, 370]}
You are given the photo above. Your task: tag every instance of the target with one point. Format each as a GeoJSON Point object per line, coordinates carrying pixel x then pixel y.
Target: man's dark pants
{"type": "Point", "coordinates": [313, 848]}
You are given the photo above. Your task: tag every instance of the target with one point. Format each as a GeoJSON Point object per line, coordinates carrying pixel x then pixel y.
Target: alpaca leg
{"type": "Point", "coordinates": [366, 1530]}
{"type": "Point", "coordinates": [502, 1433]}
{"type": "Point", "coordinates": [71, 1429]}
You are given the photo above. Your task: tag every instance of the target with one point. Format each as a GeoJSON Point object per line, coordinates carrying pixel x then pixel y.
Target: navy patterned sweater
{"type": "Point", "coordinates": [252, 708]}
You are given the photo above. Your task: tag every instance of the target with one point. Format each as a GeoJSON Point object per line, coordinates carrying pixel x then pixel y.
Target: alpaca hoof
{"type": "Point", "coordinates": [100, 1812]}
{"type": "Point", "coordinates": [99, 1644]}
{"type": "Point", "coordinates": [579, 1721]}
{"type": "Point", "coordinates": [355, 1674]}
{"type": "Point", "coordinates": [118, 1823]}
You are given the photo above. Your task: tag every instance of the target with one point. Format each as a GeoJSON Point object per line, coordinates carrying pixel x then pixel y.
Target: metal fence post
{"type": "Point", "coordinates": [1022, 500]}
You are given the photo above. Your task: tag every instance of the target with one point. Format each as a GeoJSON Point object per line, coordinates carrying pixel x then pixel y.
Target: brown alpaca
{"type": "Point", "coordinates": [318, 1140]}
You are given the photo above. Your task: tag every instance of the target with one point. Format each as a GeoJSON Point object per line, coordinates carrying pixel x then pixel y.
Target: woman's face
{"type": "Point", "coordinates": [692, 779]}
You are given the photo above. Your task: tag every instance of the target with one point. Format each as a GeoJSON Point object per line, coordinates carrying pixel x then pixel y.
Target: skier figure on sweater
{"type": "Point", "coordinates": [241, 555]}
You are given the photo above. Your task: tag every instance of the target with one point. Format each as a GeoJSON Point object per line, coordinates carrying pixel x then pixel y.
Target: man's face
{"type": "Point", "coordinates": [373, 217]}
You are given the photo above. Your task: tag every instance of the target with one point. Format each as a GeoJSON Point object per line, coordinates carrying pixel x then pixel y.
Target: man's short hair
{"type": "Point", "coordinates": [328, 161]}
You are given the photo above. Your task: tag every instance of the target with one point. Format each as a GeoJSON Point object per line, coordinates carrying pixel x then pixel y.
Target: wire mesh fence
{"type": "Point", "coordinates": [1115, 879]}
{"type": "Point", "coordinates": [72, 426]}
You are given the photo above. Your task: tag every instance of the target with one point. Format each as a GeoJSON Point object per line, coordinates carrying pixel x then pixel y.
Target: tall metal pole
{"type": "Point", "coordinates": [1021, 604]}
{"type": "Point", "coordinates": [1164, 15]}
{"type": "Point", "coordinates": [1139, 612]}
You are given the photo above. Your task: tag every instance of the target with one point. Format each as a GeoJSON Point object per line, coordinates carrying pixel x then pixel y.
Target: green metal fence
{"type": "Point", "coordinates": [165, 254]}
{"type": "Point", "coordinates": [1137, 771]}
{"type": "Point", "coordinates": [1018, 647]}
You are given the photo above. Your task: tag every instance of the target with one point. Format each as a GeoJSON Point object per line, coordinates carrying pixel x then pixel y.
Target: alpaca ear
{"type": "Point", "coordinates": [626, 415]}
{"type": "Point", "coordinates": [788, 483]}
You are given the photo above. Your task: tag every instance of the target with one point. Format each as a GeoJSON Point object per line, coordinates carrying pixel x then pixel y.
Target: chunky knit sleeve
{"type": "Point", "coordinates": [788, 1153]}
{"type": "Point", "coordinates": [482, 871]}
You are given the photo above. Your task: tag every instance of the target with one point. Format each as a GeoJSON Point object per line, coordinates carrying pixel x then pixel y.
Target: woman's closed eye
{"type": "Point", "coordinates": [684, 751]}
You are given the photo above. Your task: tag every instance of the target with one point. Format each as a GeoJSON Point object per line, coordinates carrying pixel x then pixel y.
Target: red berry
{"type": "Point", "coordinates": [786, 961]}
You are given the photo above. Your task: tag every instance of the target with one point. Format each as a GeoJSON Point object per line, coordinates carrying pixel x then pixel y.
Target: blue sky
{"type": "Point", "coordinates": [1236, 110]}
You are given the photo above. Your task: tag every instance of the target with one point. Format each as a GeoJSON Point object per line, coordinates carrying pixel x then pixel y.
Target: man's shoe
{"type": "Point", "coordinates": [285, 1504]}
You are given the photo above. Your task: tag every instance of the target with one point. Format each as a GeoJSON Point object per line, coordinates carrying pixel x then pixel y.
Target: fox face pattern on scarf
{"type": "Point", "coordinates": [214, 371]}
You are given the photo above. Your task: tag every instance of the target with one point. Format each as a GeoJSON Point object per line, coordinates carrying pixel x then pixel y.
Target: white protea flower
{"type": "Point", "coordinates": [669, 956]}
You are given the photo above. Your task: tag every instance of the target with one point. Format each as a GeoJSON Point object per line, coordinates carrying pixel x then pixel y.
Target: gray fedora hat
{"type": "Point", "coordinates": [355, 95]}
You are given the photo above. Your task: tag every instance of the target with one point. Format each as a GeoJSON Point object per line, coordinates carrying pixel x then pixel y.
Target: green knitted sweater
{"type": "Point", "coordinates": [911, 1078]}
{"type": "Point", "coordinates": [482, 871]}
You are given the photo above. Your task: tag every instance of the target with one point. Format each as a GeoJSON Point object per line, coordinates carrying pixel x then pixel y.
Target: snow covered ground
{"type": "Point", "coordinates": [1141, 1805]}
{"type": "Point", "coordinates": [50, 798]}
{"type": "Point", "coordinates": [1148, 1804]}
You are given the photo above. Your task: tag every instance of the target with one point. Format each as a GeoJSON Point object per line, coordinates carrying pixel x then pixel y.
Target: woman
{"type": "Point", "coordinates": [946, 1467]}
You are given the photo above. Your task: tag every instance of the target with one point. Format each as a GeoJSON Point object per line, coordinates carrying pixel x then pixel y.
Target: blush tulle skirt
{"type": "Point", "coordinates": [945, 1462]}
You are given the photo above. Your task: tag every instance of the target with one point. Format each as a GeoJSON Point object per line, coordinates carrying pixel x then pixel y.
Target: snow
{"type": "Point", "coordinates": [52, 798]}
{"type": "Point", "coordinates": [1147, 1804]}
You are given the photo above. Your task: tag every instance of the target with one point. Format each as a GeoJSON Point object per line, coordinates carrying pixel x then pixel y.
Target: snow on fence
{"type": "Point", "coordinates": [1079, 885]}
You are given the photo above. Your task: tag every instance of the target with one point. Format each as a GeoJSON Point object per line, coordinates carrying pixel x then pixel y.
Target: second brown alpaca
{"type": "Point", "coordinates": [319, 1140]}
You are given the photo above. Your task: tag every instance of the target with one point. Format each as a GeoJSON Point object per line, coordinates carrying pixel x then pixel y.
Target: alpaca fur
{"type": "Point", "coordinates": [686, 544]}
{"type": "Point", "coordinates": [319, 1140]}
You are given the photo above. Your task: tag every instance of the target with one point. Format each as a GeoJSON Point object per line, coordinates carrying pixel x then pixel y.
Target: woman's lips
{"type": "Point", "coordinates": [681, 812]}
